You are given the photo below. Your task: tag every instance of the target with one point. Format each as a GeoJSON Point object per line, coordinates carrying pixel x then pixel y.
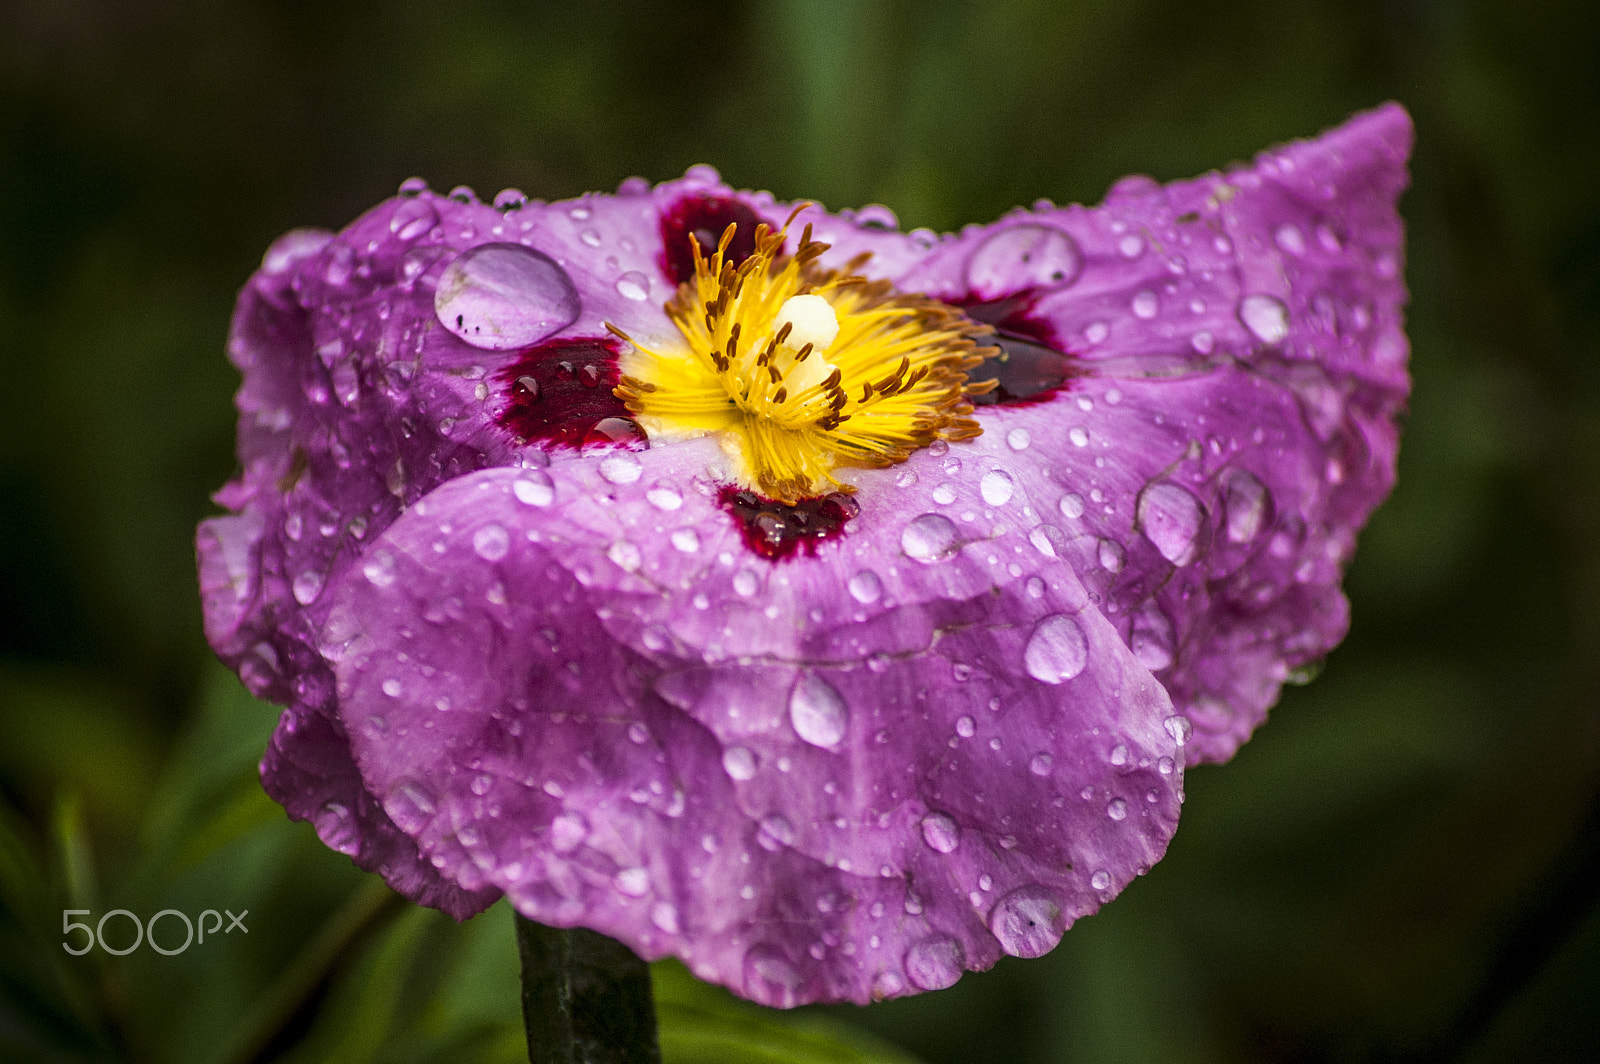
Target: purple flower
{"type": "Point", "coordinates": [836, 618]}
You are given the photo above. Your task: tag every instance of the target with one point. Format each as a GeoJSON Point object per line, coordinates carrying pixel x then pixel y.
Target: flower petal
{"type": "Point", "coordinates": [812, 817]}
{"type": "Point", "coordinates": [1240, 368]}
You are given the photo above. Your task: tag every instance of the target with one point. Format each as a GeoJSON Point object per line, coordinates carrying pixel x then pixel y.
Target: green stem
{"type": "Point", "coordinates": [585, 998]}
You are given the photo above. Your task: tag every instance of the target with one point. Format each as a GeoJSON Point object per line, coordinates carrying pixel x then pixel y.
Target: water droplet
{"type": "Point", "coordinates": [1041, 764]}
{"type": "Point", "coordinates": [567, 832]}
{"type": "Point", "coordinates": [1112, 556]}
{"type": "Point", "coordinates": [633, 285]}
{"type": "Point", "coordinates": [665, 916]}
{"type": "Point", "coordinates": [887, 985]}
{"type": "Point", "coordinates": [1151, 640]}
{"type": "Point", "coordinates": [1028, 922]}
{"type": "Point", "coordinates": [1266, 317]}
{"type": "Point", "coordinates": [591, 237]}
{"type": "Point", "coordinates": [1079, 436]}
{"type": "Point", "coordinates": [1023, 256]}
{"type": "Point", "coordinates": [491, 542]}
{"type": "Point", "coordinates": [776, 832]}
{"type": "Point", "coordinates": [941, 833]}
{"type": "Point", "coordinates": [534, 488]}
{"type": "Point", "coordinates": [1289, 238]}
{"type": "Point", "coordinates": [632, 882]}
{"type": "Point", "coordinates": [739, 763]}
{"type": "Point", "coordinates": [416, 262]}
{"type": "Point", "coordinates": [1246, 504]}
{"type": "Point", "coordinates": [1203, 342]}
{"type": "Point", "coordinates": [1049, 541]}
{"type": "Point", "coordinates": [929, 538]}
{"type": "Point", "coordinates": [966, 727]}
{"type": "Point", "coordinates": [1145, 304]}
{"type": "Point", "coordinates": [393, 688]}
{"type": "Point", "coordinates": [1018, 439]}
{"type": "Point", "coordinates": [769, 976]}
{"type": "Point", "coordinates": [625, 555]}
{"type": "Point", "coordinates": [620, 469]}
{"type": "Point", "coordinates": [746, 583]}
{"type": "Point", "coordinates": [1170, 518]}
{"type": "Point", "coordinates": [817, 711]}
{"type": "Point", "coordinates": [501, 296]}
{"type": "Point", "coordinates": [935, 963]}
{"type": "Point", "coordinates": [1096, 332]}
{"type": "Point", "coordinates": [410, 807]}
{"type": "Point", "coordinates": [307, 586]}
{"type": "Point", "coordinates": [1179, 728]}
{"type": "Point", "coordinates": [337, 829]}
{"type": "Point", "coordinates": [996, 487]}
{"type": "Point", "coordinates": [1056, 651]}
{"type": "Point", "coordinates": [379, 569]}
{"type": "Point", "coordinates": [865, 587]}
{"type": "Point", "coordinates": [1131, 246]}
{"type": "Point", "coordinates": [1101, 880]}
{"type": "Point", "coordinates": [685, 540]}
{"type": "Point", "coordinates": [413, 186]}
{"type": "Point", "coordinates": [1071, 505]}
{"type": "Point", "coordinates": [944, 494]}
{"type": "Point", "coordinates": [411, 219]}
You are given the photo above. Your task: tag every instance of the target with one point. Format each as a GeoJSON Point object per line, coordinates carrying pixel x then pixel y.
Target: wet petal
{"type": "Point", "coordinates": [557, 718]}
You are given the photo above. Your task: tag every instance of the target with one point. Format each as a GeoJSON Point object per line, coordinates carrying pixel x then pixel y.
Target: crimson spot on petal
{"type": "Point", "coordinates": [560, 393]}
{"type": "Point", "coordinates": [1029, 367]}
{"type": "Point", "coordinates": [775, 530]}
{"type": "Point", "coordinates": [703, 218]}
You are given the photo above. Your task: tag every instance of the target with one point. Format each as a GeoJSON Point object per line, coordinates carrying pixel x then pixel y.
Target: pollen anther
{"type": "Point", "coordinates": [775, 350]}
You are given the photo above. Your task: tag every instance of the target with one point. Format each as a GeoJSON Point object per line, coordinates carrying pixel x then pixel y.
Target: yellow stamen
{"type": "Point", "coordinates": [804, 370]}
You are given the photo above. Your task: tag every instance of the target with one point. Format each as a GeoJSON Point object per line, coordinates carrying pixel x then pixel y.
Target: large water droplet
{"type": "Point", "coordinates": [817, 711]}
{"type": "Point", "coordinates": [413, 218]}
{"type": "Point", "coordinates": [1056, 651]}
{"type": "Point", "coordinates": [491, 542]}
{"type": "Point", "coordinates": [996, 487]}
{"type": "Point", "coordinates": [941, 833]}
{"type": "Point", "coordinates": [1112, 555]}
{"type": "Point", "coordinates": [1266, 317]}
{"type": "Point", "coordinates": [1101, 880]}
{"type": "Point", "coordinates": [1247, 505]}
{"type": "Point", "coordinates": [929, 538]}
{"type": "Point", "coordinates": [501, 296]}
{"type": "Point", "coordinates": [1171, 519]}
{"type": "Point", "coordinates": [935, 963]}
{"type": "Point", "coordinates": [1021, 257]}
{"type": "Point", "coordinates": [1145, 304]}
{"type": "Point", "coordinates": [1028, 922]}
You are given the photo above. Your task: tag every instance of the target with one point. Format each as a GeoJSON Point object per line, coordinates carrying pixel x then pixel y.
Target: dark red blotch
{"type": "Point", "coordinates": [1030, 367]}
{"type": "Point", "coordinates": [560, 392]}
{"type": "Point", "coordinates": [702, 218]}
{"type": "Point", "coordinates": [775, 530]}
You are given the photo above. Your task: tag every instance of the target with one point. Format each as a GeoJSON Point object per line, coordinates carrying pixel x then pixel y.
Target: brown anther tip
{"type": "Point", "coordinates": [802, 354]}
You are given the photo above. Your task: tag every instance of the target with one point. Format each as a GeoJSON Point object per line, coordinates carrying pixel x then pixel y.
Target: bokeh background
{"type": "Point", "coordinates": [1404, 864]}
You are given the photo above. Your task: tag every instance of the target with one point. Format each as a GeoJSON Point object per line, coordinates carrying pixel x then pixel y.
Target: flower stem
{"type": "Point", "coordinates": [585, 998]}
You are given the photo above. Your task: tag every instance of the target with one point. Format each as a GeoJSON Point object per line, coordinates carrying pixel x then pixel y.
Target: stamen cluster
{"type": "Point", "coordinates": [793, 404]}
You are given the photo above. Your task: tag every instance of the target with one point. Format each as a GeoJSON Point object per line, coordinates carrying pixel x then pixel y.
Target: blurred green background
{"type": "Point", "coordinates": [1403, 865]}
